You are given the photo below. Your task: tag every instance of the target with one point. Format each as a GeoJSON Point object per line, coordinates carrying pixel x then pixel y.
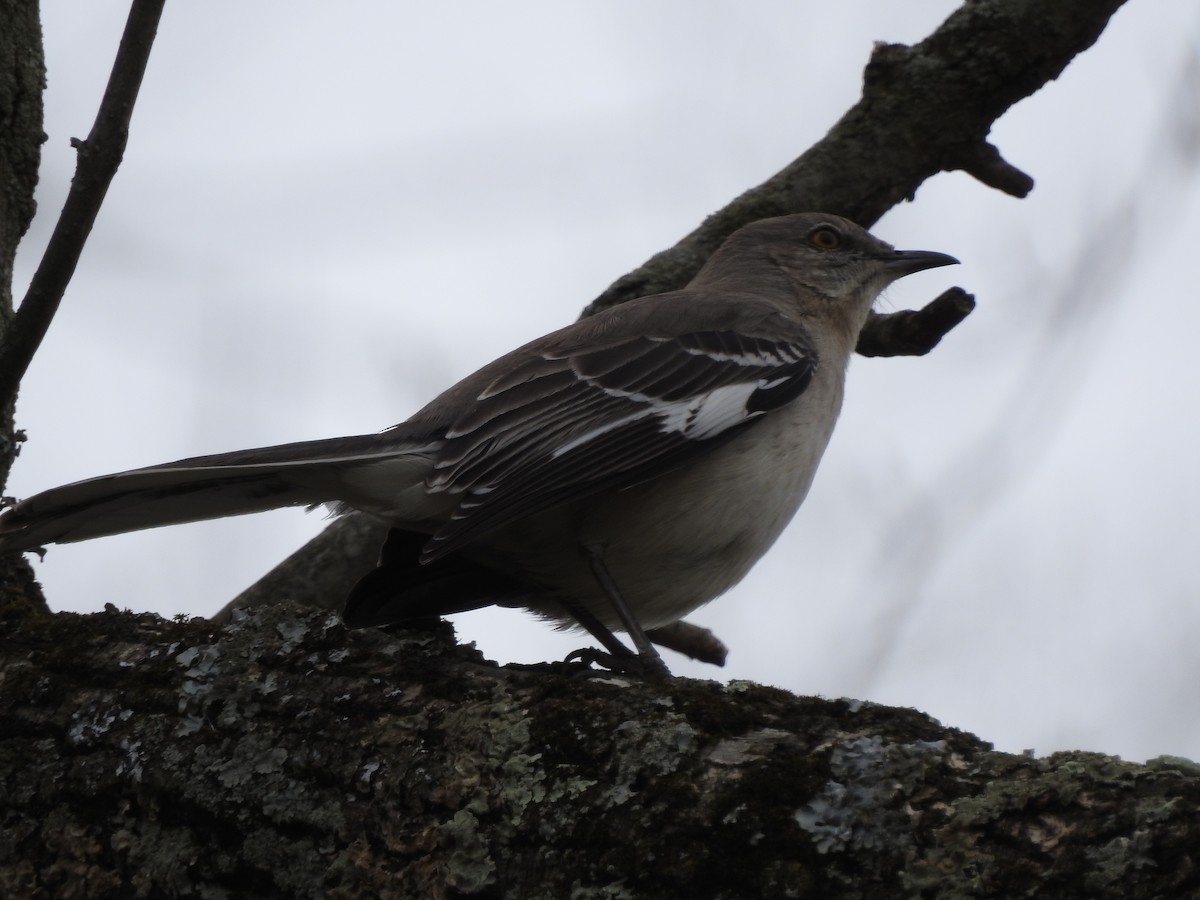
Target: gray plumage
{"type": "Point", "coordinates": [668, 441]}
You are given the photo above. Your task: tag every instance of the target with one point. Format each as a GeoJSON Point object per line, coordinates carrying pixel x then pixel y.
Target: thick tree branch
{"type": "Point", "coordinates": [322, 572]}
{"type": "Point", "coordinates": [99, 157]}
{"type": "Point", "coordinates": [286, 756]}
{"type": "Point", "coordinates": [22, 80]}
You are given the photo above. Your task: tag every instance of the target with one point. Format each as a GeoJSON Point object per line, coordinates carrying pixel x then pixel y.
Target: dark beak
{"type": "Point", "coordinates": [905, 262]}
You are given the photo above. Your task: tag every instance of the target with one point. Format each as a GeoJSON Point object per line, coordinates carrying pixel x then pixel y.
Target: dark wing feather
{"type": "Point", "coordinates": [565, 425]}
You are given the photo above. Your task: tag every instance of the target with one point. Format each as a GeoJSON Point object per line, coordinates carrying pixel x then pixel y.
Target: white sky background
{"type": "Point", "coordinates": [326, 215]}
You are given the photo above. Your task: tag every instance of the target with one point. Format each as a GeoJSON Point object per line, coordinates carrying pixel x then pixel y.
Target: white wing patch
{"type": "Point", "coordinates": [710, 414]}
{"type": "Point", "coordinates": [698, 418]}
{"type": "Point", "coordinates": [702, 416]}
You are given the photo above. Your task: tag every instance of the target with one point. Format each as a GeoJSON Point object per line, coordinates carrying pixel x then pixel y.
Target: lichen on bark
{"type": "Point", "coordinates": [283, 754]}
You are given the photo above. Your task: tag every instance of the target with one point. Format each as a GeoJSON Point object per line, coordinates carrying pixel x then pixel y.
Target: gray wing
{"type": "Point", "coordinates": [564, 424]}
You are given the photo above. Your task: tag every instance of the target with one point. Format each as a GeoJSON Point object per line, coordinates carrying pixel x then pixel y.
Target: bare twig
{"type": "Point", "coordinates": [99, 157]}
{"type": "Point", "coordinates": [691, 640]}
{"type": "Point", "coordinates": [983, 162]}
{"type": "Point", "coordinates": [916, 332]}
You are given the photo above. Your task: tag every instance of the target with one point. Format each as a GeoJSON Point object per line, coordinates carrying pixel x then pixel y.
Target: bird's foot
{"type": "Point", "coordinates": [650, 668]}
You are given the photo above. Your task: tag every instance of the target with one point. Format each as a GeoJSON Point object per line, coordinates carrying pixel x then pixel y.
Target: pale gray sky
{"type": "Point", "coordinates": [327, 214]}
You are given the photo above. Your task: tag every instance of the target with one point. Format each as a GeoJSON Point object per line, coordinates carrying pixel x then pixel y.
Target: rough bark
{"type": "Point", "coordinates": [286, 756]}
{"type": "Point", "coordinates": [22, 80]}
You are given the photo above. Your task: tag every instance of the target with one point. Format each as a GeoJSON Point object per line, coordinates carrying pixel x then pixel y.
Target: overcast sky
{"type": "Point", "coordinates": [327, 214]}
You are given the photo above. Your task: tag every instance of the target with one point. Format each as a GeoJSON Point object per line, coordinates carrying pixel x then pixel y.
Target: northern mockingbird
{"type": "Point", "coordinates": [615, 474]}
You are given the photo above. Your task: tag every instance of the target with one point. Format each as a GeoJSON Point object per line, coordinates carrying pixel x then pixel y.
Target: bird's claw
{"type": "Point", "coordinates": [633, 665]}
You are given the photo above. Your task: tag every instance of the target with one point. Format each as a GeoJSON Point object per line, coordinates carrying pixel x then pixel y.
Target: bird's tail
{"type": "Point", "coordinates": [370, 472]}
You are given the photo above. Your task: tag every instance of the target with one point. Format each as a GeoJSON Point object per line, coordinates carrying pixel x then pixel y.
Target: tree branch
{"type": "Point", "coordinates": [99, 157]}
{"type": "Point", "coordinates": [924, 109]}
{"type": "Point", "coordinates": [22, 80]}
{"type": "Point", "coordinates": [916, 332]}
{"type": "Point", "coordinates": [287, 756]}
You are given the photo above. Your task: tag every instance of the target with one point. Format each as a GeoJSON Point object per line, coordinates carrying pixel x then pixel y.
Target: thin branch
{"type": "Point", "coordinates": [916, 332]}
{"type": "Point", "coordinates": [98, 159]}
{"type": "Point", "coordinates": [984, 163]}
{"type": "Point", "coordinates": [691, 640]}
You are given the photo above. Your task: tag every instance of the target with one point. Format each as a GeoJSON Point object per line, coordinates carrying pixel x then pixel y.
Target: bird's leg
{"type": "Point", "coordinates": [619, 658]}
{"type": "Point", "coordinates": [599, 631]}
{"type": "Point", "coordinates": [652, 664]}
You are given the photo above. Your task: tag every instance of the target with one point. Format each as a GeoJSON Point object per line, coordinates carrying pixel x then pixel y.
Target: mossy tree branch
{"type": "Point", "coordinates": [286, 756]}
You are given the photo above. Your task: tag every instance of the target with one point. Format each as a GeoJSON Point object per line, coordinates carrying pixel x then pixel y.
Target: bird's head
{"type": "Point", "coordinates": [824, 253]}
{"type": "Point", "coordinates": [827, 264]}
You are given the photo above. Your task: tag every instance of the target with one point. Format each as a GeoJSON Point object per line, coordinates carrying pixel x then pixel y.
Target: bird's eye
{"type": "Point", "coordinates": [825, 238]}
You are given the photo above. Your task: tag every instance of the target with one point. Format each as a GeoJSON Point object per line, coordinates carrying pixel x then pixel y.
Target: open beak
{"type": "Point", "coordinates": [905, 262]}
